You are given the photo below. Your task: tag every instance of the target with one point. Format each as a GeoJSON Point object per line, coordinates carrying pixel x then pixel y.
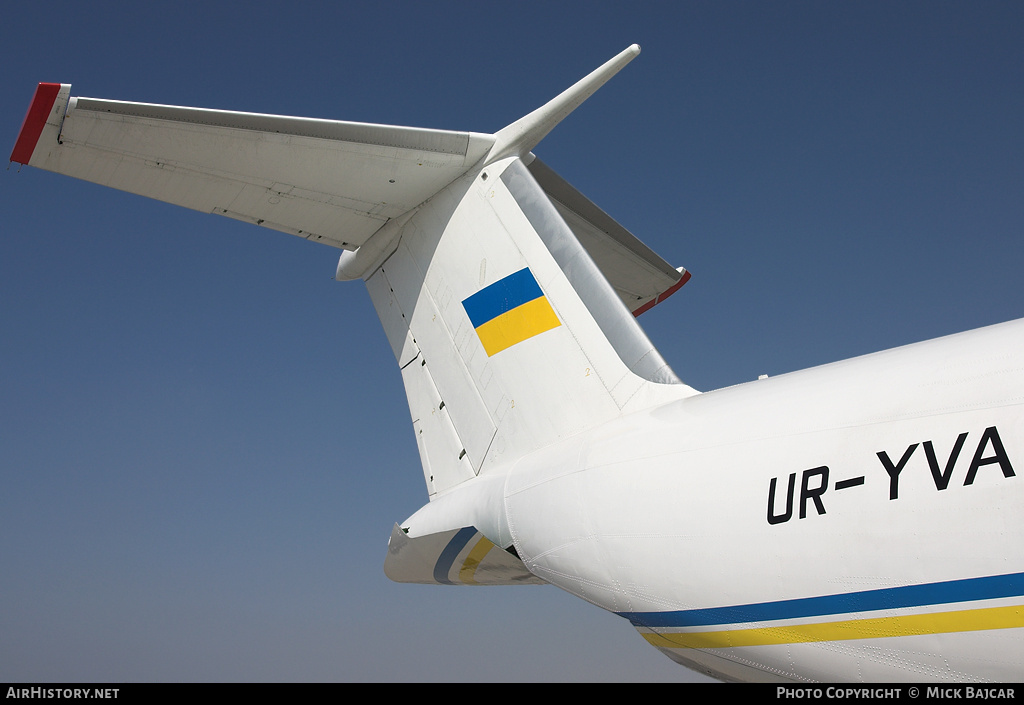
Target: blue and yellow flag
{"type": "Point", "coordinates": [509, 311]}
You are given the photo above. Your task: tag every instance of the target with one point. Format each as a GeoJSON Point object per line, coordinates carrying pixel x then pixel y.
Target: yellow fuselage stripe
{"type": "Point", "coordinates": [517, 325]}
{"type": "Point", "coordinates": [877, 628]}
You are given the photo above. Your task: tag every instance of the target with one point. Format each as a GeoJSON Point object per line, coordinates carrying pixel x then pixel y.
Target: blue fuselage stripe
{"type": "Point", "coordinates": [969, 590]}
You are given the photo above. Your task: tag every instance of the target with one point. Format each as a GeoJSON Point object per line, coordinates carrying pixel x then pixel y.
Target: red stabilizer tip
{"type": "Point", "coordinates": [663, 295]}
{"type": "Point", "coordinates": [35, 121]}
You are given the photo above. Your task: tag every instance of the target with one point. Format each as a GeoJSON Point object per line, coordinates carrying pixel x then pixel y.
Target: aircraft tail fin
{"type": "Point", "coordinates": [507, 334]}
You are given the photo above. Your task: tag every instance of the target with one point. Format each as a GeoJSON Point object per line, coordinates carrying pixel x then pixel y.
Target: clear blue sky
{"type": "Point", "coordinates": [204, 440]}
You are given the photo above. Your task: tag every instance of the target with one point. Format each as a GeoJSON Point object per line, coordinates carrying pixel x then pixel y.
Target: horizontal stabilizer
{"type": "Point", "coordinates": [328, 181]}
{"type": "Point", "coordinates": [324, 180]}
{"type": "Point", "coordinates": [639, 276]}
{"type": "Point", "coordinates": [525, 133]}
{"type": "Point", "coordinates": [500, 286]}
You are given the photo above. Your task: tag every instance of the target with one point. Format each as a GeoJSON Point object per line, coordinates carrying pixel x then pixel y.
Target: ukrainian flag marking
{"type": "Point", "coordinates": [509, 311]}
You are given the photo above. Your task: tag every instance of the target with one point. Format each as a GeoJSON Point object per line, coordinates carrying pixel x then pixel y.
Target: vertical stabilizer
{"type": "Point", "coordinates": [508, 336]}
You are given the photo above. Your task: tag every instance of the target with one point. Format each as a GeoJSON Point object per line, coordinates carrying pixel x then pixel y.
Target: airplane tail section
{"type": "Point", "coordinates": [507, 333]}
{"type": "Point", "coordinates": [507, 296]}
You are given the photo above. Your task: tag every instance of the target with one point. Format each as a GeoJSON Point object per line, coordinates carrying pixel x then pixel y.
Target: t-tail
{"type": "Point", "coordinates": [508, 333]}
{"type": "Point", "coordinates": [508, 297]}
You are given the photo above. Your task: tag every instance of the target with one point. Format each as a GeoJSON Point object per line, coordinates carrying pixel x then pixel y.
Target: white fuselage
{"type": "Point", "coordinates": [890, 549]}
